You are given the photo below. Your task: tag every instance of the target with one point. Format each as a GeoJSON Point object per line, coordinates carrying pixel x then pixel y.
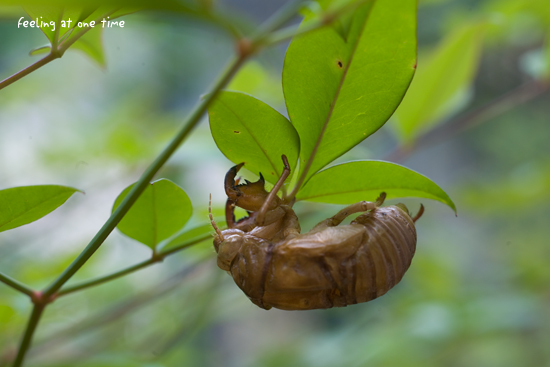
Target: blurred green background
{"type": "Point", "coordinates": [477, 293]}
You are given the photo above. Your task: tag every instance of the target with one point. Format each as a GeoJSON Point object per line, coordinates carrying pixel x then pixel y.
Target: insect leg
{"type": "Point", "coordinates": [260, 217]}
{"type": "Point", "coordinates": [381, 199]}
{"type": "Point", "coordinates": [419, 214]}
{"type": "Point", "coordinates": [230, 213]}
{"type": "Point", "coordinates": [361, 206]}
{"type": "Point", "coordinates": [218, 232]}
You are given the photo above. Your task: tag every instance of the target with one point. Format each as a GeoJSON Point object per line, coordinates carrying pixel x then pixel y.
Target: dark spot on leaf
{"type": "Point", "coordinates": [236, 132]}
{"type": "Point", "coordinates": [339, 63]}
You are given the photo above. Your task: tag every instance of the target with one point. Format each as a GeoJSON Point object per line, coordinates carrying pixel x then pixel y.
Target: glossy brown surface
{"type": "Point", "coordinates": [330, 266]}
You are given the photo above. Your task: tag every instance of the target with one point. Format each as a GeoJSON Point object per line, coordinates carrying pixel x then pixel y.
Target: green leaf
{"type": "Point", "coordinates": [90, 43]}
{"type": "Point", "coordinates": [161, 210]}
{"type": "Point", "coordinates": [40, 50]}
{"type": "Point", "coordinates": [25, 204]}
{"type": "Point", "coordinates": [441, 84]}
{"type": "Point", "coordinates": [351, 182]}
{"type": "Point", "coordinates": [189, 236]}
{"type": "Point", "coordinates": [342, 83]}
{"type": "Point", "coordinates": [247, 130]}
{"type": "Point", "coordinates": [67, 26]}
{"type": "Point", "coordinates": [52, 15]}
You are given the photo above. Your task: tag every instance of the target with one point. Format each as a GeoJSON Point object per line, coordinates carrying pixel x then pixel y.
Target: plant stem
{"type": "Point", "coordinates": [16, 285]}
{"type": "Point", "coordinates": [153, 260]}
{"type": "Point", "coordinates": [184, 245]}
{"type": "Point", "coordinates": [495, 107]}
{"type": "Point", "coordinates": [106, 278]}
{"type": "Point", "coordinates": [29, 331]}
{"type": "Point", "coordinates": [323, 21]}
{"type": "Point", "coordinates": [29, 69]}
{"type": "Point", "coordinates": [132, 196]}
{"type": "Point", "coordinates": [283, 15]}
{"type": "Point", "coordinates": [145, 179]}
{"type": "Point", "coordinates": [56, 53]}
{"type": "Point", "coordinates": [118, 310]}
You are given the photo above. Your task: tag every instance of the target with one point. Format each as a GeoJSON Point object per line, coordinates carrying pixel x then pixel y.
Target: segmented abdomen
{"type": "Point", "coordinates": [335, 267]}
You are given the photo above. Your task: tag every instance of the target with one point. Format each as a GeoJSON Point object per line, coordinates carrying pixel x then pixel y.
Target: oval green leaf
{"type": "Point", "coordinates": [441, 85]}
{"type": "Point", "coordinates": [342, 83]}
{"type": "Point", "coordinates": [40, 50]}
{"type": "Point", "coordinates": [161, 210]}
{"type": "Point", "coordinates": [248, 130]}
{"type": "Point", "coordinates": [91, 44]}
{"type": "Point", "coordinates": [351, 182]}
{"type": "Point", "coordinates": [25, 204]}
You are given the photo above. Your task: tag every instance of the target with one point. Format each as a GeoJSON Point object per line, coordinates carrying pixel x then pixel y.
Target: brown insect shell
{"type": "Point", "coordinates": [250, 195]}
{"type": "Point", "coordinates": [326, 267]}
{"type": "Point", "coordinates": [279, 227]}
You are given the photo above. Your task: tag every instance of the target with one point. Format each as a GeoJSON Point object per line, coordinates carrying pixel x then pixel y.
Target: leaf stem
{"type": "Point", "coordinates": [153, 260]}
{"type": "Point", "coordinates": [56, 52]}
{"type": "Point", "coordinates": [55, 41]}
{"type": "Point", "coordinates": [184, 245]}
{"type": "Point", "coordinates": [29, 69]}
{"type": "Point", "coordinates": [324, 20]}
{"type": "Point", "coordinates": [117, 310]}
{"type": "Point", "coordinates": [283, 15]}
{"type": "Point", "coordinates": [29, 331]}
{"type": "Point", "coordinates": [191, 121]}
{"type": "Point", "coordinates": [147, 176]}
{"type": "Point", "coordinates": [16, 285]}
{"type": "Point", "coordinates": [107, 278]}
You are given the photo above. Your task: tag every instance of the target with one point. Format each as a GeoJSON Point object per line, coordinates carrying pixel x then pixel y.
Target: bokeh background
{"type": "Point", "coordinates": [477, 293]}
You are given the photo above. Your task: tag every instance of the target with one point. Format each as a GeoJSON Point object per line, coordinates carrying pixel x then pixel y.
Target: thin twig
{"type": "Point", "coordinates": [131, 269]}
{"type": "Point", "coordinates": [118, 274]}
{"type": "Point", "coordinates": [56, 52]}
{"type": "Point", "coordinates": [116, 311]}
{"type": "Point", "coordinates": [29, 331]}
{"type": "Point", "coordinates": [29, 69]}
{"type": "Point", "coordinates": [145, 179]}
{"type": "Point", "coordinates": [16, 285]}
{"type": "Point", "coordinates": [279, 18]}
{"type": "Point", "coordinates": [322, 21]}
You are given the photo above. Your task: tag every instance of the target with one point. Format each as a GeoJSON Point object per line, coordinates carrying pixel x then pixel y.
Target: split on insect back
{"type": "Point", "coordinates": [332, 265]}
